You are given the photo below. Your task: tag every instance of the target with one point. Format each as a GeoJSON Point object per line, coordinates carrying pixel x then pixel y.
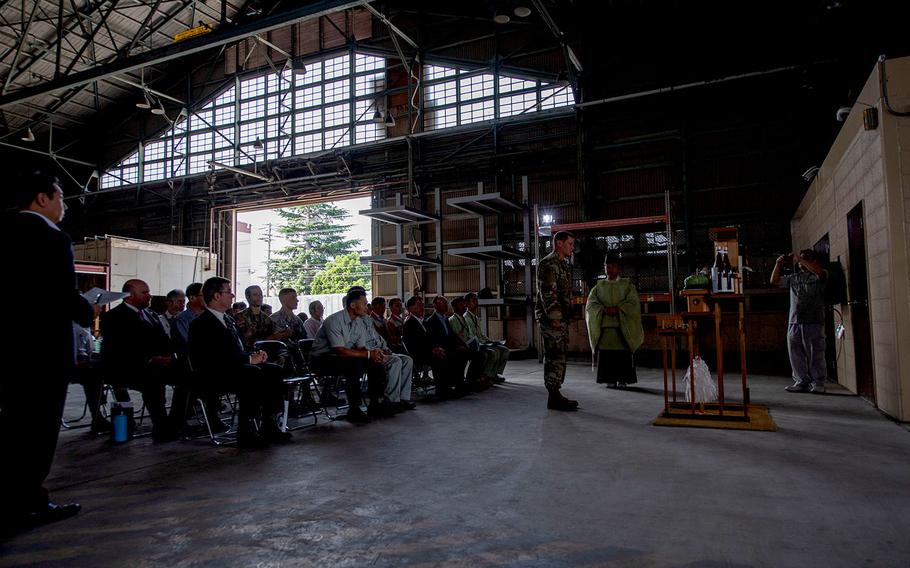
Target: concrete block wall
{"type": "Point", "coordinates": [871, 167]}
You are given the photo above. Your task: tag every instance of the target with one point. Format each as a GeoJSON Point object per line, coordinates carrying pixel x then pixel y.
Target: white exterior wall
{"type": "Point", "coordinates": [872, 167]}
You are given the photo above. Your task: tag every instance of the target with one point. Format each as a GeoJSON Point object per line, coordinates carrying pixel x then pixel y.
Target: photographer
{"type": "Point", "coordinates": [806, 332]}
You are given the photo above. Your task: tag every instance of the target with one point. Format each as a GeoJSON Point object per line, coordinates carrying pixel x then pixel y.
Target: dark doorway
{"type": "Point", "coordinates": [823, 248]}
{"type": "Point", "coordinates": [859, 303]}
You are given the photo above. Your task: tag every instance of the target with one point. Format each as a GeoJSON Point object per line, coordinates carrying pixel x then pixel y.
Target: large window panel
{"type": "Point", "coordinates": [308, 97]}
{"type": "Point", "coordinates": [517, 104]}
{"type": "Point", "coordinates": [442, 118]}
{"type": "Point", "coordinates": [308, 143]}
{"type": "Point", "coordinates": [201, 141]}
{"type": "Point", "coordinates": [336, 67]}
{"type": "Point", "coordinates": [440, 94]}
{"type": "Point", "coordinates": [556, 97]}
{"type": "Point", "coordinates": [337, 115]}
{"type": "Point", "coordinates": [251, 110]}
{"type": "Point", "coordinates": [368, 132]}
{"type": "Point", "coordinates": [308, 120]}
{"type": "Point", "coordinates": [252, 87]}
{"type": "Point", "coordinates": [368, 63]}
{"type": "Point", "coordinates": [337, 91]}
{"type": "Point", "coordinates": [336, 138]}
{"type": "Point", "coordinates": [153, 171]}
{"type": "Point", "coordinates": [512, 84]}
{"type": "Point", "coordinates": [199, 163]}
{"type": "Point", "coordinates": [331, 105]}
{"type": "Point", "coordinates": [226, 97]}
{"type": "Point", "coordinates": [251, 131]}
{"type": "Point", "coordinates": [476, 112]}
{"type": "Point", "coordinates": [369, 84]}
{"type": "Point", "coordinates": [476, 87]}
{"type": "Point", "coordinates": [224, 137]}
{"type": "Point", "coordinates": [200, 120]}
{"type": "Point", "coordinates": [224, 115]}
{"type": "Point", "coordinates": [156, 150]}
{"type": "Point", "coordinates": [431, 72]}
{"type": "Point", "coordinates": [313, 74]}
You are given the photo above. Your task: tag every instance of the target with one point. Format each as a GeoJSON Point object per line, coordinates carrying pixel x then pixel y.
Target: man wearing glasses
{"type": "Point", "coordinates": [220, 364]}
{"type": "Point", "coordinates": [31, 403]}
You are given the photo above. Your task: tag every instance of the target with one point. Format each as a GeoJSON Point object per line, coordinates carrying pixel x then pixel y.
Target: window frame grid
{"type": "Point", "coordinates": [178, 157]}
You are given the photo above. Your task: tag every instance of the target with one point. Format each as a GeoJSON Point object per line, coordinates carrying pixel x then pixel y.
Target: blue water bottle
{"type": "Point", "coordinates": [120, 431]}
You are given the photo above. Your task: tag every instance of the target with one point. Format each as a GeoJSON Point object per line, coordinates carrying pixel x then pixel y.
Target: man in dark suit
{"type": "Point", "coordinates": [31, 403]}
{"type": "Point", "coordinates": [428, 344]}
{"type": "Point", "coordinates": [137, 353]}
{"type": "Point", "coordinates": [220, 364]}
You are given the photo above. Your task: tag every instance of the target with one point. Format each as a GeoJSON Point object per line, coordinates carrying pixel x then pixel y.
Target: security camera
{"type": "Point", "coordinates": [842, 113]}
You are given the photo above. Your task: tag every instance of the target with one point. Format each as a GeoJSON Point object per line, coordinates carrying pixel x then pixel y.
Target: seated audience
{"type": "Point", "coordinates": [498, 353]}
{"type": "Point", "coordinates": [136, 353]}
{"type": "Point", "coordinates": [377, 316]}
{"type": "Point", "coordinates": [448, 370]}
{"type": "Point", "coordinates": [85, 374]}
{"type": "Point", "coordinates": [395, 326]}
{"type": "Point", "coordinates": [399, 370]}
{"type": "Point", "coordinates": [221, 365]}
{"type": "Point", "coordinates": [175, 303]}
{"type": "Point", "coordinates": [467, 337]}
{"type": "Point", "coordinates": [442, 335]}
{"type": "Point", "coordinates": [285, 319]}
{"type": "Point", "coordinates": [313, 324]}
{"type": "Point", "coordinates": [340, 350]}
{"type": "Point", "coordinates": [194, 308]}
{"type": "Point", "coordinates": [254, 322]}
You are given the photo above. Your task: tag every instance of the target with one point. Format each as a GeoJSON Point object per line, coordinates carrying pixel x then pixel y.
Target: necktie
{"type": "Point", "coordinates": [232, 327]}
{"type": "Point", "coordinates": [144, 316]}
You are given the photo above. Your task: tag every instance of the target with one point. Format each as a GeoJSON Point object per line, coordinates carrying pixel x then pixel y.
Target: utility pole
{"type": "Point", "coordinates": [268, 258]}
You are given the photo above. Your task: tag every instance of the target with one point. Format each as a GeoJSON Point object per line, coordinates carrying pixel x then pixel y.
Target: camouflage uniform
{"type": "Point", "coordinates": [554, 303]}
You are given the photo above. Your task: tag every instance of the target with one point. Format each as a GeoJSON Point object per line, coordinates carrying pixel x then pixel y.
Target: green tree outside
{"type": "Point", "coordinates": [340, 274]}
{"type": "Point", "coordinates": [316, 234]}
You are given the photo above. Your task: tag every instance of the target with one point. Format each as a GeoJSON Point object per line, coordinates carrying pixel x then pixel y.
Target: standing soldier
{"type": "Point", "coordinates": [553, 310]}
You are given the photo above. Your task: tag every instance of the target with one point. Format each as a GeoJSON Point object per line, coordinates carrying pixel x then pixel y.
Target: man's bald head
{"type": "Point", "coordinates": [139, 294]}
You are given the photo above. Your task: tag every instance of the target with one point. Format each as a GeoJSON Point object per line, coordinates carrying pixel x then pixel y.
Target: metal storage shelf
{"type": "Point", "coordinates": [493, 302]}
{"type": "Point", "coordinates": [399, 215]}
{"type": "Point", "coordinates": [484, 204]}
{"type": "Point", "coordinates": [489, 252]}
{"type": "Point", "coordinates": [400, 260]}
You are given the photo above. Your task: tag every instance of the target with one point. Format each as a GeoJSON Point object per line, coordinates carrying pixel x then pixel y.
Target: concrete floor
{"type": "Point", "coordinates": [497, 480]}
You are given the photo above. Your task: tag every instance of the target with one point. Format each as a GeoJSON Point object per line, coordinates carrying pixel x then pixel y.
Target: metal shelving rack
{"type": "Point", "coordinates": [482, 205]}
{"type": "Point", "coordinates": [401, 215]}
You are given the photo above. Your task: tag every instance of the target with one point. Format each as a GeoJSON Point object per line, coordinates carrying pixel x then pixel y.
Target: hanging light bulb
{"type": "Point", "coordinates": [297, 65]}
{"type": "Point", "coordinates": [258, 144]}
{"type": "Point", "coordinates": [389, 119]}
{"type": "Point", "coordinates": [158, 110]}
{"type": "Point", "coordinates": [377, 117]}
{"type": "Point", "coordinates": [522, 11]}
{"type": "Point", "coordinates": [29, 136]}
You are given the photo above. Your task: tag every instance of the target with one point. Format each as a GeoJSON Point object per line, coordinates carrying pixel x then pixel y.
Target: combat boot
{"type": "Point", "coordinates": [558, 402]}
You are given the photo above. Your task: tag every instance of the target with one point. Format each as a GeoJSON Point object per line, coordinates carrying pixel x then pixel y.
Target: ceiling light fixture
{"type": "Point", "coordinates": [522, 11]}
{"type": "Point", "coordinates": [144, 103]}
{"type": "Point", "coordinates": [29, 136]}
{"type": "Point", "coordinates": [389, 119]}
{"type": "Point", "coordinates": [158, 110]}
{"type": "Point", "coordinates": [297, 65]}
{"type": "Point", "coordinates": [258, 144]}
{"type": "Point", "coordinates": [377, 117]}
{"type": "Point", "coordinates": [501, 19]}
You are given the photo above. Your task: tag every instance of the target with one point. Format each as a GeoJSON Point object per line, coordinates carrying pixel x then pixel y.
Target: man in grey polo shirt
{"type": "Point", "coordinates": [340, 349]}
{"type": "Point", "coordinates": [806, 332]}
{"type": "Point", "coordinates": [398, 368]}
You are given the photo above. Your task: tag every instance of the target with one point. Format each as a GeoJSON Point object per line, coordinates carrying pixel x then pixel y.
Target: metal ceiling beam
{"type": "Point", "coordinates": [181, 49]}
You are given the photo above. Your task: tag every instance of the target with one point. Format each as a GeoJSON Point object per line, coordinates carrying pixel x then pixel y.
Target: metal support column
{"type": "Point", "coordinates": [529, 289]}
{"type": "Point", "coordinates": [440, 269]}
{"type": "Point", "coordinates": [481, 241]}
{"type": "Point", "coordinates": [399, 248]}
